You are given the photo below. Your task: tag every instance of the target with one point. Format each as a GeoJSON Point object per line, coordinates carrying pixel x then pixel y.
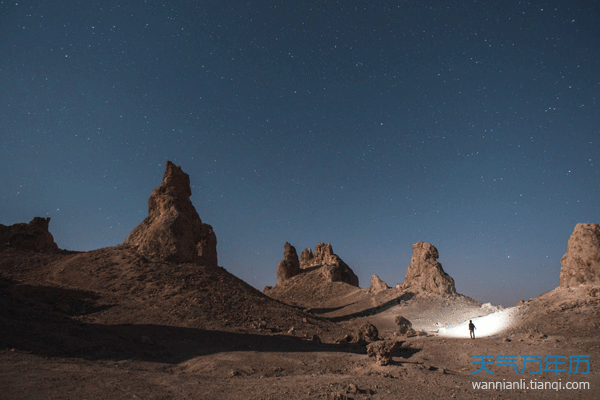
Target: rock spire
{"type": "Point", "coordinates": [173, 230]}
{"type": "Point", "coordinates": [289, 266]}
{"type": "Point", "coordinates": [581, 262]}
{"type": "Point", "coordinates": [425, 273]}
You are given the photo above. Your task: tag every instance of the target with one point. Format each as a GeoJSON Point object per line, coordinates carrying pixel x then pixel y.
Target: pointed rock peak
{"type": "Point", "coordinates": [177, 180]}
{"type": "Point", "coordinates": [581, 262]}
{"type": "Point", "coordinates": [173, 230]}
{"type": "Point", "coordinates": [425, 273]}
{"type": "Point", "coordinates": [377, 285]}
{"type": "Point", "coordinates": [289, 266]}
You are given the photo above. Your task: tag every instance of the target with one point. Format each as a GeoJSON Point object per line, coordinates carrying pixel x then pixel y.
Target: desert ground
{"type": "Point", "coordinates": [111, 324]}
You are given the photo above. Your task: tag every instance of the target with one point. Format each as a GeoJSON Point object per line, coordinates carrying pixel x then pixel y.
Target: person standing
{"type": "Point", "coordinates": [471, 329]}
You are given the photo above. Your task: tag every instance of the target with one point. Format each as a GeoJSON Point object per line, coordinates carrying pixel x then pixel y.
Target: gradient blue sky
{"type": "Point", "coordinates": [472, 125]}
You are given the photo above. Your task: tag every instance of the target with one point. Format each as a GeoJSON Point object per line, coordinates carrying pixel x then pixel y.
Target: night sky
{"type": "Point", "coordinates": [472, 125]}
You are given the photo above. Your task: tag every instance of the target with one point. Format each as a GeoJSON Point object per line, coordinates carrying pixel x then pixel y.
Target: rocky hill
{"type": "Point", "coordinates": [163, 277]}
{"type": "Point", "coordinates": [314, 279]}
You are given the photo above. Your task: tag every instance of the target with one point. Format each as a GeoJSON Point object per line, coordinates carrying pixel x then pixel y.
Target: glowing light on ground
{"type": "Point", "coordinates": [488, 325]}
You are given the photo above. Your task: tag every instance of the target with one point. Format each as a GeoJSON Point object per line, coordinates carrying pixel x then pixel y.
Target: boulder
{"type": "Point", "coordinates": [382, 350]}
{"type": "Point", "coordinates": [289, 266]}
{"type": "Point", "coordinates": [404, 325]}
{"type": "Point", "coordinates": [581, 262]}
{"type": "Point", "coordinates": [173, 231]}
{"type": "Point", "coordinates": [33, 236]}
{"type": "Point", "coordinates": [377, 285]}
{"type": "Point", "coordinates": [425, 273]}
{"type": "Point", "coordinates": [366, 333]}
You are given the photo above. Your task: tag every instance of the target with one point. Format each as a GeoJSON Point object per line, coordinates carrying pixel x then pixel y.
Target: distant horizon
{"type": "Point", "coordinates": [364, 283]}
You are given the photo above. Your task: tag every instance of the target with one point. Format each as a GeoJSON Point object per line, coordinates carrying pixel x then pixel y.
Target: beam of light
{"type": "Point", "coordinates": [487, 325]}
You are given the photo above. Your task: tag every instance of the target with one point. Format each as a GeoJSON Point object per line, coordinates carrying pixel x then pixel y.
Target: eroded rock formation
{"type": "Point", "coordinates": [377, 285]}
{"type": "Point", "coordinates": [306, 256]}
{"type": "Point", "coordinates": [289, 266]}
{"type": "Point", "coordinates": [173, 230]}
{"type": "Point", "coordinates": [581, 262]}
{"type": "Point", "coordinates": [32, 236]}
{"type": "Point", "coordinates": [322, 266]}
{"type": "Point", "coordinates": [332, 266]}
{"type": "Point", "coordinates": [425, 273]}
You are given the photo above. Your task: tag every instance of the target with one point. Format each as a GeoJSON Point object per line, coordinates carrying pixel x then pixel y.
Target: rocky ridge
{"type": "Point", "coordinates": [377, 285]}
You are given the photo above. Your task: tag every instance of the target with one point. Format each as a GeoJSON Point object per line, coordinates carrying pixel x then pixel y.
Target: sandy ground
{"type": "Point", "coordinates": [111, 325]}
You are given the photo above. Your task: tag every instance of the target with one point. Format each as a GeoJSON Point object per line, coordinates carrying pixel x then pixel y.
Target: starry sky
{"type": "Point", "coordinates": [472, 125]}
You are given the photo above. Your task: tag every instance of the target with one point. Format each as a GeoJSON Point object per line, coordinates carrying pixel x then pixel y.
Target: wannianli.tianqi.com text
{"type": "Point", "coordinates": [532, 384]}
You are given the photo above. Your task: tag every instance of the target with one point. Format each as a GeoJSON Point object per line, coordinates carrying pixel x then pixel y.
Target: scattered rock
{"type": "Point", "coordinates": [581, 262]}
{"type": "Point", "coordinates": [377, 285]}
{"type": "Point", "coordinates": [352, 389]}
{"type": "Point", "coordinates": [289, 266]}
{"type": "Point", "coordinates": [33, 236]}
{"type": "Point", "coordinates": [173, 231]}
{"type": "Point", "coordinates": [404, 325]}
{"type": "Point", "coordinates": [535, 335]}
{"type": "Point", "coordinates": [366, 333]}
{"type": "Point", "coordinates": [345, 339]}
{"type": "Point", "coordinates": [410, 333]}
{"type": "Point", "coordinates": [425, 273]}
{"type": "Point", "coordinates": [316, 339]}
{"type": "Point", "coordinates": [382, 350]}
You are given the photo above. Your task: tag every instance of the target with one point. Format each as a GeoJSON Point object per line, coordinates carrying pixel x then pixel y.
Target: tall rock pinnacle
{"type": "Point", "coordinates": [581, 262]}
{"type": "Point", "coordinates": [425, 273]}
{"type": "Point", "coordinates": [173, 231]}
{"type": "Point", "coordinates": [289, 266]}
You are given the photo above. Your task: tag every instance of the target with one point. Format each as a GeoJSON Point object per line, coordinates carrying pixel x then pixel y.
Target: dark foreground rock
{"type": "Point", "coordinates": [33, 236]}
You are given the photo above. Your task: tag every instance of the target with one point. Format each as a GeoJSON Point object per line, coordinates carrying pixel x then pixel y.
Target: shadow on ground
{"type": "Point", "coordinates": [42, 320]}
{"type": "Point", "coordinates": [375, 310]}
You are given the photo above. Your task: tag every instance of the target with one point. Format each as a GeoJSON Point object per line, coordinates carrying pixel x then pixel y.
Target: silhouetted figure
{"type": "Point", "coordinates": [471, 329]}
